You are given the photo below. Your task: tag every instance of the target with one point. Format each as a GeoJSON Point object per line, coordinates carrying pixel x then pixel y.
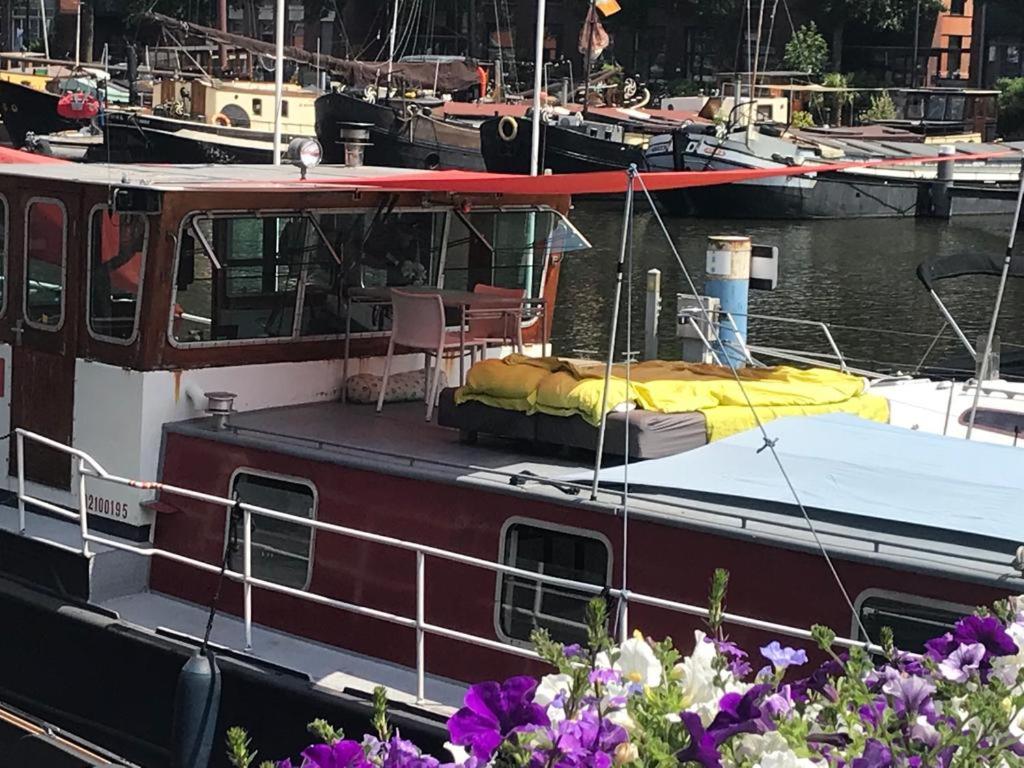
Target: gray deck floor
{"type": "Point", "coordinates": [398, 436]}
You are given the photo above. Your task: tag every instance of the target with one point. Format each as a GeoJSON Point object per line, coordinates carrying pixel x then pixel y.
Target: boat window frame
{"type": "Point", "coordinates": [584, 533]}
{"type": "Point", "coordinates": [189, 218]}
{"type": "Point", "coordinates": [295, 480]}
{"type": "Point", "coordinates": [5, 260]}
{"type": "Point", "coordinates": [906, 598]}
{"type": "Point", "coordinates": [63, 265]}
{"type": "Point", "coordinates": [136, 330]}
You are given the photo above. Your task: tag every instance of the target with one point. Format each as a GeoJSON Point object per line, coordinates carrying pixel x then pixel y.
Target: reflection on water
{"type": "Point", "coordinates": [859, 274]}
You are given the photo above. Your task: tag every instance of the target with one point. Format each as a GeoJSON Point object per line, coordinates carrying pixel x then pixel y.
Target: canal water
{"type": "Point", "coordinates": [858, 276]}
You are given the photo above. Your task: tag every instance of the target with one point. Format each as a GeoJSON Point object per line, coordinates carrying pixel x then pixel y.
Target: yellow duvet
{"type": "Point", "coordinates": [567, 388]}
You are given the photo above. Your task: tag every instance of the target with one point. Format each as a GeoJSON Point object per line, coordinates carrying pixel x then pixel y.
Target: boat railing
{"type": "Point", "coordinates": [87, 467]}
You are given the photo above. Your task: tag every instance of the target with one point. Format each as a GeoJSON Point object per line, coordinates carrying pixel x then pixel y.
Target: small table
{"type": "Point", "coordinates": [468, 303]}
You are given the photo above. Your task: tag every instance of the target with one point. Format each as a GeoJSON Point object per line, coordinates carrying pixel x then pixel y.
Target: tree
{"type": "Point", "coordinates": [881, 14]}
{"type": "Point", "coordinates": [807, 50]}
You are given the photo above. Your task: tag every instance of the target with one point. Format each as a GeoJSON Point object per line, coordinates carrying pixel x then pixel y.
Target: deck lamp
{"type": "Point", "coordinates": [304, 154]}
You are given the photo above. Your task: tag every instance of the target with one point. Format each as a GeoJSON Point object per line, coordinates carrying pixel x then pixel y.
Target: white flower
{"type": "Point", "coordinates": [785, 759]}
{"type": "Point", "coordinates": [551, 694]}
{"type": "Point", "coordinates": [696, 676]}
{"type": "Point", "coordinates": [1017, 726]}
{"type": "Point", "coordinates": [752, 746]}
{"type": "Point", "coordinates": [637, 663]}
{"type": "Point", "coordinates": [459, 754]}
{"type": "Point", "coordinates": [1006, 668]}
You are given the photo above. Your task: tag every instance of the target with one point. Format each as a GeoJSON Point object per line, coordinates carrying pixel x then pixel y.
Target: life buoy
{"type": "Point", "coordinates": [508, 128]}
{"type": "Point", "coordinates": [222, 120]}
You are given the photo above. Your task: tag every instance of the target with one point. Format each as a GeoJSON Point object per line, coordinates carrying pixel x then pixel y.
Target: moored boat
{"type": "Point", "coordinates": [360, 548]}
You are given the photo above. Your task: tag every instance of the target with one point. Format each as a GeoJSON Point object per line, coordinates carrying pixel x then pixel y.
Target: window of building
{"type": "Point", "coordinates": [4, 226]}
{"type": "Point", "coordinates": [957, 7]}
{"type": "Point", "coordinates": [281, 551]}
{"type": "Point", "coordinates": [525, 604]}
{"type": "Point", "coordinates": [954, 57]}
{"type": "Point", "coordinates": [914, 621]}
{"type": "Point", "coordinates": [45, 263]}
{"type": "Point", "coordinates": [117, 247]}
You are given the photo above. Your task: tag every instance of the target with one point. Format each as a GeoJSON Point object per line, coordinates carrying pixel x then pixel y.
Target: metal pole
{"type": "Point", "coordinates": [21, 483]}
{"type": "Point", "coordinates": [917, 42]}
{"type": "Point", "coordinates": [999, 303]}
{"type": "Point", "coordinates": [247, 574]}
{"type": "Point", "coordinates": [42, 23]}
{"type": "Point", "coordinates": [391, 44]}
{"type": "Point", "coordinates": [421, 567]}
{"type": "Point", "coordinates": [538, 75]}
{"type": "Point", "coordinates": [78, 35]}
{"type": "Point", "coordinates": [627, 216]}
{"type": "Point", "coordinates": [83, 517]}
{"type": "Point", "coordinates": [278, 79]}
{"type": "Point", "coordinates": [652, 309]}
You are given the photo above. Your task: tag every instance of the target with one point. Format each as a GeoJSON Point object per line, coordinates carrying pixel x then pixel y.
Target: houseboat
{"type": "Point", "coordinates": [176, 344]}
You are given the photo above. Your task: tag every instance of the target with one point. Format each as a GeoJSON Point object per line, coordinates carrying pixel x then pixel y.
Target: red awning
{"type": "Point", "coordinates": [610, 182]}
{"type": "Point", "coordinates": [9, 156]}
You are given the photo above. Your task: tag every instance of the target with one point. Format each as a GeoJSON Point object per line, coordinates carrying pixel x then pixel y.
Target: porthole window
{"type": "Point", "coordinates": [526, 604]}
{"type": "Point", "coordinates": [281, 551]}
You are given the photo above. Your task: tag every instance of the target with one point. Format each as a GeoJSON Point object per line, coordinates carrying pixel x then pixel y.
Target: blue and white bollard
{"type": "Point", "coordinates": [728, 280]}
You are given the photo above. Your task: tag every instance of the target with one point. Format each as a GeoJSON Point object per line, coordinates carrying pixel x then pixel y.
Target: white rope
{"type": "Point", "coordinates": [769, 443]}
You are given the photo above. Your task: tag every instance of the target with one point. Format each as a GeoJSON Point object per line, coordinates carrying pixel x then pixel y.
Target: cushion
{"type": "Point", "coordinates": [402, 387]}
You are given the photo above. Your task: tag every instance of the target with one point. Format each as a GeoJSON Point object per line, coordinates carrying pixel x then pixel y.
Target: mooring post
{"type": "Point", "coordinates": [652, 310]}
{"type": "Point", "coordinates": [942, 192]}
{"type": "Point", "coordinates": [728, 280]}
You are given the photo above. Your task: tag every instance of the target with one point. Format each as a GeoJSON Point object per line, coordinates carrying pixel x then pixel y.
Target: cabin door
{"type": "Point", "coordinates": [43, 322]}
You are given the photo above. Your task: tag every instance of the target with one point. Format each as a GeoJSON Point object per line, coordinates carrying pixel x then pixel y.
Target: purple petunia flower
{"type": "Point", "coordinates": [738, 665]}
{"type": "Point", "coordinates": [702, 748]}
{"type": "Point", "coordinates": [876, 755]}
{"type": "Point", "coordinates": [912, 696]}
{"type": "Point", "coordinates": [494, 711]}
{"type": "Point", "coordinates": [959, 665]}
{"type": "Point", "coordinates": [604, 676]}
{"type": "Point", "coordinates": [871, 714]}
{"type": "Point", "coordinates": [987, 630]}
{"type": "Point", "coordinates": [572, 650]}
{"type": "Point", "coordinates": [739, 714]}
{"type": "Point", "coordinates": [588, 742]}
{"type": "Point", "coordinates": [343, 754]}
{"type": "Point", "coordinates": [783, 658]}
{"type": "Point", "coordinates": [401, 753]}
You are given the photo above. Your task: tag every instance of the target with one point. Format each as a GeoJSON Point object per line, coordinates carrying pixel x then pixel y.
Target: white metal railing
{"type": "Point", "coordinates": [88, 467]}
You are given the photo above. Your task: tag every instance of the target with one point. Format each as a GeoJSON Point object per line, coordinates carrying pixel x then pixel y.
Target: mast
{"type": "Point", "coordinates": [591, 18]}
{"type": "Point", "coordinates": [222, 10]}
{"type": "Point", "coordinates": [391, 44]}
{"type": "Point", "coordinates": [538, 74]}
{"type": "Point", "coordinates": [78, 34]}
{"type": "Point", "coordinates": [278, 79]}
{"type": "Point", "coordinates": [42, 23]}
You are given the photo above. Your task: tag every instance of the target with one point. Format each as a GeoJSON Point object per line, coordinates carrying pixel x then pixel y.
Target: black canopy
{"type": "Point", "coordinates": [961, 264]}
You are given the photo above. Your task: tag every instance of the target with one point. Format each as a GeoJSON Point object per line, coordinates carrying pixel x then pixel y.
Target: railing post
{"type": "Point", "coordinates": [21, 483]}
{"type": "Point", "coordinates": [421, 567]}
{"type": "Point", "coordinates": [83, 516]}
{"type": "Point", "coordinates": [247, 574]}
{"type": "Point", "coordinates": [652, 309]}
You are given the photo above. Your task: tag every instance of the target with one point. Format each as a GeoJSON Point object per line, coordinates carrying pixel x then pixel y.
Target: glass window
{"type": "Point", "coordinates": [248, 278]}
{"type": "Point", "coordinates": [281, 551]}
{"type": "Point", "coordinates": [45, 256]}
{"type": "Point", "coordinates": [913, 623]}
{"type": "Point", "coordinates": [526, 604]}
{"type": "Point", "coordinates": [116, 255]}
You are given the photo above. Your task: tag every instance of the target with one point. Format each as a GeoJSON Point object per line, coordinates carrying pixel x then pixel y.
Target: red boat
{"type": "Point", "coordinates": [177, 346]}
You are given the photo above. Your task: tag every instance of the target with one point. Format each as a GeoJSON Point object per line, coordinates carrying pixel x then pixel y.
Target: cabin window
{"type": "Point", "coordinates": [117, 247]}
{"type": "Point", "coordinates": [913, 620]}
{"type": "Point", "coordinates": [281, 551]}
{"type": "Point", "coordinates": [525, 604]}
{"type": "Point", "coordinates": [255, 277]}
{"type": "Point", "coordinates": [284, 108]}
{"type": "Point", "coordinates": [45, 263]}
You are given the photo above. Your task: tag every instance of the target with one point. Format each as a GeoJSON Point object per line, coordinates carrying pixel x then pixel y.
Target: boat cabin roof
{"type": "Point", "coordinates": [183, 178]}
{"type": "Point", "coordinates": [866, 501]}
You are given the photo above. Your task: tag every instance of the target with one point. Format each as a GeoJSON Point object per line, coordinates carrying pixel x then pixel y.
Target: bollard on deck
{"type": "Point", "coordinates": [728, 280]}
{"type": "Point", "coordinates": [651, 312]}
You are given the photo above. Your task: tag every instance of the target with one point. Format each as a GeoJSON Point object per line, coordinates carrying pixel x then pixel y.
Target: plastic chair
{"type": "Point", "coordinates": [500, 327]}
{"type": "Point", "coordinates": [418, 323]}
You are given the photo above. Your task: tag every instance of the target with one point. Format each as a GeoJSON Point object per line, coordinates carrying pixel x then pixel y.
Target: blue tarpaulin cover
{"type": "Point", "coordinates": [844, 464]}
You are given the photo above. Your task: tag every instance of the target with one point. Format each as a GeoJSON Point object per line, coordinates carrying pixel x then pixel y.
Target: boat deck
{"type": "Point", "coordinates": [400, 442]}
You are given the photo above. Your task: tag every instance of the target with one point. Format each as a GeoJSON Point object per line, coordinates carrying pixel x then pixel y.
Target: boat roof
{"type": "Point", "coordinates": [844, 464]}
{"type": "Point", "coordinates": [726, 488]}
